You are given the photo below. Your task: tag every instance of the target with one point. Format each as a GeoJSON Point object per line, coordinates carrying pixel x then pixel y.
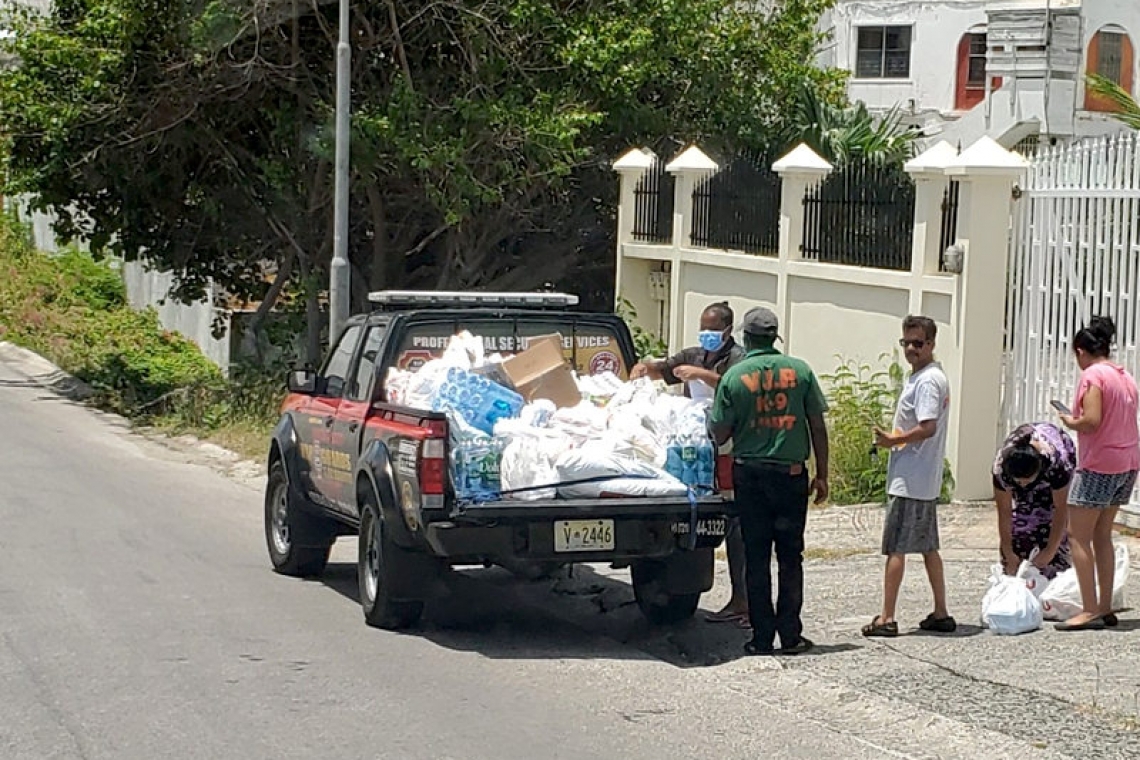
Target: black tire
{"type": "Point", "coordinates": [659, 606]}
{"type": "Point", "coordinates": [378, 561]}
{"type": "Point", "coordinates": [286, 526]}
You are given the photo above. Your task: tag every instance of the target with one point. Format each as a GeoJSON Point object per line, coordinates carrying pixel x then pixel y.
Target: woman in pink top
{"type": "Point", "coordinates": [1108, 457]}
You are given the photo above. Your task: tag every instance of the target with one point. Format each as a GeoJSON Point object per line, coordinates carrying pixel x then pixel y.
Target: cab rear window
{"type": "Point", "coordinates": [591, 349]}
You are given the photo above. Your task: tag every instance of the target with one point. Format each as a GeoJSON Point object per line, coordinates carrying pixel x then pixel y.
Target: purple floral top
{"type": "Point", "coordinates": [1033, 504]}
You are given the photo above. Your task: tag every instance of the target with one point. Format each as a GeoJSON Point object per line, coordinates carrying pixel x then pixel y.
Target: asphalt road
{"type": "Point", "coordinates": [139, 619]}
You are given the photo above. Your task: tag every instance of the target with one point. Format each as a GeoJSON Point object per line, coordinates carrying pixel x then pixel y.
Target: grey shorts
{"type": "Point", "coordinates": [1097, 490]}
{"type": "Point", "coordinates": [910, 526]}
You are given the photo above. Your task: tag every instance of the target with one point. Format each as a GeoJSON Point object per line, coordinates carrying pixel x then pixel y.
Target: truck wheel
{"type": "Point", "coordinates": [378, 562]}
{"type": "Point", "coordinates": [286, 527]}
{"type": "Point", "coordinates": [658, 605]}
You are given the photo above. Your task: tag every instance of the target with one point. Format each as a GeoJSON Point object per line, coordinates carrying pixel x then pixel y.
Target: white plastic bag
{"type": "Point", "coordinates": [1062, 599]}
{"type": "Point", "coordinates": [1009, 608]}
{"type": "Point", "coordinates": [1033, 578]}
{"type": "Point", "coordinates": [623, 475]}
{"type": "Point", "coordinates": [1120, 578]}
{"type": "Point", "coordinates": [528, 460]}
{"type": "Point", "coordinates": [662, 485]}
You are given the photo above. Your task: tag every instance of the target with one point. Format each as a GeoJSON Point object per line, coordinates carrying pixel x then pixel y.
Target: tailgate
{"type": "Point", "coordinates": [585, 509]}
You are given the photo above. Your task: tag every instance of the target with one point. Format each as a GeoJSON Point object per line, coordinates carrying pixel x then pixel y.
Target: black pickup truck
{"type": "Point", "coordinates": [344, 461]}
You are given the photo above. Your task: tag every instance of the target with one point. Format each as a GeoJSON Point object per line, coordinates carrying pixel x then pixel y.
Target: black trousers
{"type": "Point", "coordinates": [772, 504]}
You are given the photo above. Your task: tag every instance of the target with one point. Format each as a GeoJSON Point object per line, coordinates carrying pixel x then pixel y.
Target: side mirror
{"type": "Point", "coordinates": [302, 381]}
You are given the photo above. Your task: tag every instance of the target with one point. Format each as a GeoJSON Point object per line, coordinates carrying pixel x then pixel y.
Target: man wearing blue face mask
{"type": "Point", "coordinates": [700, 369]}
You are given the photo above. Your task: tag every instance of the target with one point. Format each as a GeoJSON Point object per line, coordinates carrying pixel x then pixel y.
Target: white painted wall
{"type": "Point", "coordinates": [927, 97]}
{"type": "Point", "coordinates": [937, 26]}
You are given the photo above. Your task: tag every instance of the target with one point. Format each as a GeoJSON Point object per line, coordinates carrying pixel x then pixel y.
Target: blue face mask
{"type": "Point", "coordinates": [711, 340]}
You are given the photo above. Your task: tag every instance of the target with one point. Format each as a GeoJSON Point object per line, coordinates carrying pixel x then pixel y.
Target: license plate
{"type": "Point", "coordinates": [583, 535]}
{"type": "Point", "coordinates": [706, 527]}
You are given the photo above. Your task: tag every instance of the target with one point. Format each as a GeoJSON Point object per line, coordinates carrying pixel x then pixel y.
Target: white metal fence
{"type": "Point", "coordinates": [1075, 254]}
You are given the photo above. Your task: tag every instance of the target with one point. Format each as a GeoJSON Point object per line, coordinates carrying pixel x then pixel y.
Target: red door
{"type": "Point", "coordinates": [971, 86]}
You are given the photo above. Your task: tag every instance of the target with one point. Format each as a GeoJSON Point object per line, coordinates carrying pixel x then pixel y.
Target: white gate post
{"type": "Point", "coordinates": [798, 171]}
{"type": "Point", "coordinates": [630, 168]}
{"type": "Point", "coordinates": [689, 168]}
{"type": "Point", "coordinates": [987, 173]}
{"type": "Point", "coordinates": [930, 184]}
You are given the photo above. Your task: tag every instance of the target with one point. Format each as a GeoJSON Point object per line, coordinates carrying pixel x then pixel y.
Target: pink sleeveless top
{"type": "Point", "coordinates": [1115, 446]}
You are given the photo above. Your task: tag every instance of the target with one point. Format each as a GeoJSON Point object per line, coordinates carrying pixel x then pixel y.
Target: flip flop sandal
{"type": "Point", "coordinates": [878, 629]}
{"type": "Point", "coordinates": [1095, 624]}
{"type": "Point", "coordinates": [939, 625]}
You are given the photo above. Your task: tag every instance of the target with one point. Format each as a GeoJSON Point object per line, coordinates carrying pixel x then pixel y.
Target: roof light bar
{"type": "Point", "coordinates": [393, 298]}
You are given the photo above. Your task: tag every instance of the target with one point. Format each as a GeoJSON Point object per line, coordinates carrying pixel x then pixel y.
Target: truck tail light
{"type": "Point", "coordinates": [724, 474]}
{"type": "Point", "coordinates": [433, 466]}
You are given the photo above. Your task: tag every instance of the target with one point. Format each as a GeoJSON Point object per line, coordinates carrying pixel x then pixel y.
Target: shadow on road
{"type": "Point", "coordinates": [578, 614]}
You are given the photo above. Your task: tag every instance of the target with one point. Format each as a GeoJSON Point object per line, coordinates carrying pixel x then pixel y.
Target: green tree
{"type": "Point", "coordinates": [198, 133]}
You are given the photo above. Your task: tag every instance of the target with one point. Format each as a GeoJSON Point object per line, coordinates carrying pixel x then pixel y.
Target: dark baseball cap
{"type": "Point", "coordinates": [761, 321]}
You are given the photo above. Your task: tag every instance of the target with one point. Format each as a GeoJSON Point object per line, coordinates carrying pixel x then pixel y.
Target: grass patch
{"type": "Point", "coordinates": [72, 309]}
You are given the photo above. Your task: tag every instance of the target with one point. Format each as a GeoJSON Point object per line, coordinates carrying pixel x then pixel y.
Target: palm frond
{"type": "Point", "coordinates": [1127, 109]}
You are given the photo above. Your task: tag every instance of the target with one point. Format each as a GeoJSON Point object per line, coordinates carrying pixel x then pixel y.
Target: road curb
{"type": "Point", "coordinates": [43, 372]}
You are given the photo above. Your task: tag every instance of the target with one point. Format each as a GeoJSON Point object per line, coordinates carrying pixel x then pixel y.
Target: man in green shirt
{"type": "Point", "coordinates": [772, 407]}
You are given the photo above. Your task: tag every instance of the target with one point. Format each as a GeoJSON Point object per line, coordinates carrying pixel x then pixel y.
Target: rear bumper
{"type": "Point", "coordinates": [525, 530]}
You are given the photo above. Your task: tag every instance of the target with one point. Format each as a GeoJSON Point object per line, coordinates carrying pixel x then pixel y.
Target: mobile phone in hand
{"type": "Point", "coordinates": [1060, 407]}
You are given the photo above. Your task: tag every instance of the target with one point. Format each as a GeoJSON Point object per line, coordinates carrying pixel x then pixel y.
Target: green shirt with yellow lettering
{"type": "Point", "coordinates": [766, 399]}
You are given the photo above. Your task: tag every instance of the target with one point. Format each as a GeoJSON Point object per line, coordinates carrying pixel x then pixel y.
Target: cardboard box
{"type": "Point", "coordinates": [541, 371]}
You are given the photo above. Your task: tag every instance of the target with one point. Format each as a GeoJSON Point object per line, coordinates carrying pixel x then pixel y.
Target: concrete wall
{"type": "Point", "coordinates": [148, 288]}
{"type": "Point", "coordinates": [832, 313]}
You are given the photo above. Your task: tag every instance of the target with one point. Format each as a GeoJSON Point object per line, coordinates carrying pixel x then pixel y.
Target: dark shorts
{"type": "Point", "coordinates": [910, 526]}
{"type": "Point", "coordinates": [1097, 490]}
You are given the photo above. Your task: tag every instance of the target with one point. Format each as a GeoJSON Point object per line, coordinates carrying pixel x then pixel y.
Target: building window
{"type": "Point", "coordinates": [883, 52]}
{"type": "Point", "coordinates": [1110, 54]}
{"type": "Point", "coordinates": [976, 62]}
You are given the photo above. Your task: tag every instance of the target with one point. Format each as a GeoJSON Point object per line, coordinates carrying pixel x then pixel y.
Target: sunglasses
{"type": "Point", "coordinates": [915, 343]}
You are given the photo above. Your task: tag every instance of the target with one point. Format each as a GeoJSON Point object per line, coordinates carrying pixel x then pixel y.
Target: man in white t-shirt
{"type": "Point", "coordinates": [914, 479]}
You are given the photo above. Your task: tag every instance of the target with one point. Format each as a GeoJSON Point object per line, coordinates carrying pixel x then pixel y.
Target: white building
{"type": "Point", "coordinates": [1012, 69]}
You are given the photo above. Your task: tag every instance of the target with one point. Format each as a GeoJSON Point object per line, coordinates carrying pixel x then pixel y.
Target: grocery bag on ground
{"type": "Point", "coordinates": [1062, 598]}
{"type": "Point", "coordinates": [1009, 608]}
{"type": "Point", "coordinates": [1033, 578]}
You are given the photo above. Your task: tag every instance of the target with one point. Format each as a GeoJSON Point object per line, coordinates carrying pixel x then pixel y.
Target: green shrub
{"type": "Point", "coordinates": [860, 398]}
{"type": "Point", "coordinates": [644, 342]}
{"type": "Point", "coordinates": [72, 309]}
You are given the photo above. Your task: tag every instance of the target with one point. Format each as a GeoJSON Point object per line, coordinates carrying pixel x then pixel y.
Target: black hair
{"type": "Point", "coordinates": [722, 311]}
{"type": "Point", "coordinates": [1022, 462]}
{"type": "Point", "coordinates": [752, 341]}
{"type": "Point", "coordinates": [1096, 339]}
{"type": "Point", "coordinates": [926, 324]}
